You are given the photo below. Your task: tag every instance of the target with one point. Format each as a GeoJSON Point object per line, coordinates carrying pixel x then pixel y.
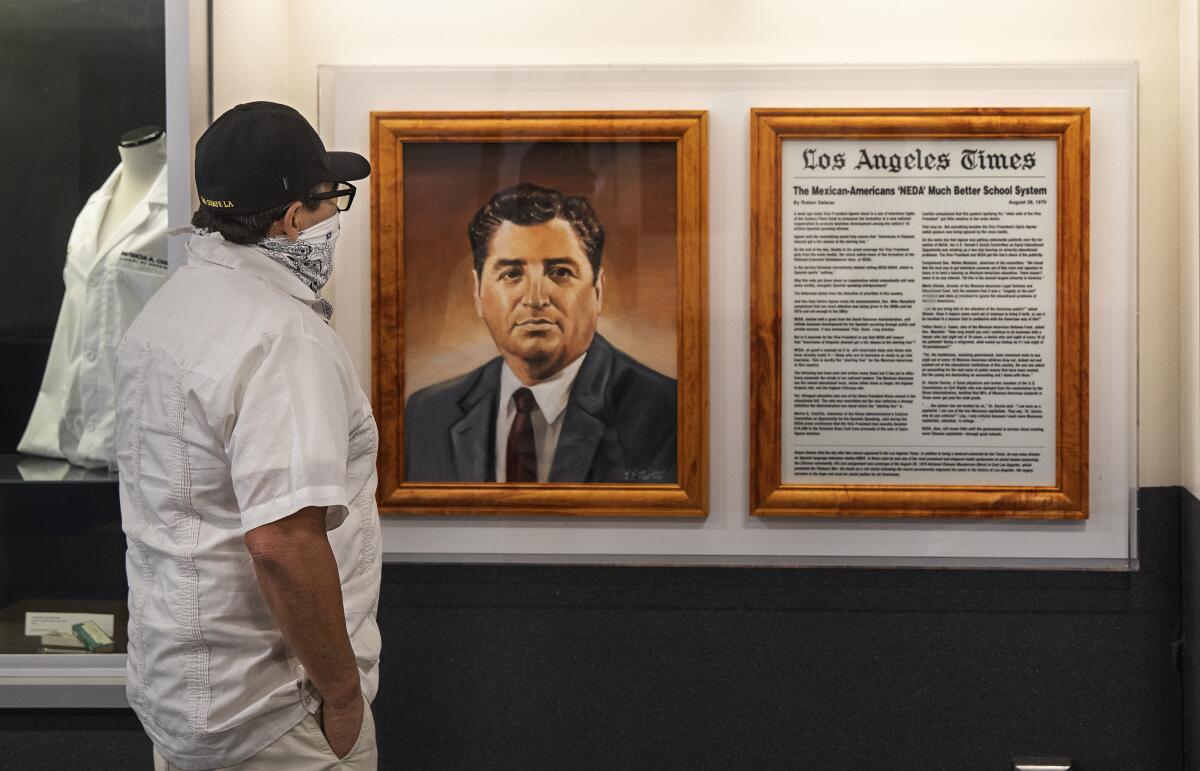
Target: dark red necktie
{"type": "Point", "coordinates": [521, 454]}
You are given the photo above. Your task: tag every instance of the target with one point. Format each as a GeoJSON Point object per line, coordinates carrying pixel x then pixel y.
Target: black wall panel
{"type": "Point", "coordinates": [1190, 514]}
{"type": "Point", "coordinates": [580, 667]}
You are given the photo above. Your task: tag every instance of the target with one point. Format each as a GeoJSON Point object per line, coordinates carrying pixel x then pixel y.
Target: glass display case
{"type": "Point", "coordinates": [389, 308]}
{"type": "Point", "coordinates": [86, 225]}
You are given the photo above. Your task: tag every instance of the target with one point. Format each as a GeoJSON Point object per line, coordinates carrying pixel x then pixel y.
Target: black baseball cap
{"type": "Point", "coordinates": [260, 155]}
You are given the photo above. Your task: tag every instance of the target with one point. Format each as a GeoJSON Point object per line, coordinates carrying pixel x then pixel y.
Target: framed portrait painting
{"type": "Point", "coordinates": [539, 311]}
{"type": "Point", "coordinates": [919, 312]}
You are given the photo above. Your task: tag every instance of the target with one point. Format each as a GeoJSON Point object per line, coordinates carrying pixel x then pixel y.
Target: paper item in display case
{"type": "Point", "coordinates": [47, 622]}
{"type": "Point", "coordinates": [57, 642]}
{"type": "Point", "coordinates": [93, 637]}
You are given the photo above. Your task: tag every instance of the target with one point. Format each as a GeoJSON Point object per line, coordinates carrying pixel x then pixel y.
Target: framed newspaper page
{"type": "Point", "coordinates": [919, 313]}
{"type": "Point", "coordinates": [539, 312]}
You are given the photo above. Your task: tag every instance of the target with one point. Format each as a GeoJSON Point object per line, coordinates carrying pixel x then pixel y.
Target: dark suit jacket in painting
{"type": "Point", "coordinates": [619, 425]}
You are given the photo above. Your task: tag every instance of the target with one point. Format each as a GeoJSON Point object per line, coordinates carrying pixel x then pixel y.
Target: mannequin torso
{"type": "Point", "coordinates": [140, 166]}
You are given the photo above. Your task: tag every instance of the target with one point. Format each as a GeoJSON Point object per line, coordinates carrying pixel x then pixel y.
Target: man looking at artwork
{"type": "Point", "coordinates": [560, 403]}
{"type": "Point", "coordinates": [247, 456]}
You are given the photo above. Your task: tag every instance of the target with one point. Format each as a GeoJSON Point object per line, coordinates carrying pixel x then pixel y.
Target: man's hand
{"type": "Point", "coordinates": [342, 725]}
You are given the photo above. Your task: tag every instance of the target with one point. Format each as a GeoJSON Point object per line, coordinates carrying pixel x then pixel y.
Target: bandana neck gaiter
{"type": "Point", "coordinates": [310, 258]}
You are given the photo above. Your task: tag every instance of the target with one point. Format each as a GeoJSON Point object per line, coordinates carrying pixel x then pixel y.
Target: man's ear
{"type": "Point", "coordinates": [599, 289]}
{"type": "Point", "coordinates": [475, 293]}
{"type": "Point", "coordinates": [286, 225]}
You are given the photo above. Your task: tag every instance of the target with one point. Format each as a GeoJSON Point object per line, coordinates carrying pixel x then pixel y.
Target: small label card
{"type": "Point", "coordinates": [39, 623]}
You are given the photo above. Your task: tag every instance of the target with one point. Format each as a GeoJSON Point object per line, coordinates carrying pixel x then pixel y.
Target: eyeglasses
{"type": "Point", "coordinates": [339, 191]}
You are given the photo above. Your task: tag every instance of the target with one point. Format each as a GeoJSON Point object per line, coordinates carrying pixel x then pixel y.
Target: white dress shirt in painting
{"type": "Point", "coordinates": [238, 405]}
{"type": "Point", "coordinates": [551, 397]}
{"type": "Point", "coordinates": [106, 286]}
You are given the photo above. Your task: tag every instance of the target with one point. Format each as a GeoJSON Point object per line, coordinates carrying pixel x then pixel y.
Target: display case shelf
{"type": "Point", "coordinates": [26, 469]}
{"type": "Point", "coordinates": [62, 551]}
{"type": "Point", "coordinates": [84, 681]}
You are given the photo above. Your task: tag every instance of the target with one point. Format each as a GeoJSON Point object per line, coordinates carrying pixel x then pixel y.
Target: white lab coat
{"type": "Point", "coordinates": [106, 286]}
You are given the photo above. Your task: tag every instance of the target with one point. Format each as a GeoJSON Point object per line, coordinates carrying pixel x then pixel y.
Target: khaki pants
{"type": "Point", "coordinates": [304, 748]}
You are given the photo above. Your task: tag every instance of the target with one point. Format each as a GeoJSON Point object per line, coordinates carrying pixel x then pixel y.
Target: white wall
{"type": "Point", "coordinates": [1189, 247]}
{"type": "Point", "coordinates": [250, 52]}
{"type": "Point", "coordinates": [187, 110]}
{"type": "Point", "coordinates": [302, 34]}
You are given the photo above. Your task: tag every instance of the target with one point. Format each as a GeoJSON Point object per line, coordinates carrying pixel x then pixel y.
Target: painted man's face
{"type": "Point", "coordinates": [537, 297]}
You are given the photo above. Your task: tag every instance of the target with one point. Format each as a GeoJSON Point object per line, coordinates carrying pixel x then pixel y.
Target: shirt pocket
{"type": "Point", "coordinates": [356, 542]}
{"type": "Point", "coordinates": [133, 279]}
{"type": "Point", "coordinates": [361, 454]}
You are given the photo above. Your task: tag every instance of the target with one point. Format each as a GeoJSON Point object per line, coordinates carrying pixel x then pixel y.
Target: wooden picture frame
{"type": "Point", "coordinates": [398, 141]}
{"type": "Point", "coordinates": [1067, 496]}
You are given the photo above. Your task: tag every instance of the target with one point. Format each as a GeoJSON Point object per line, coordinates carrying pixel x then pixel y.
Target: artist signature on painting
{"type": "Point", "coordinates": [645, 475]}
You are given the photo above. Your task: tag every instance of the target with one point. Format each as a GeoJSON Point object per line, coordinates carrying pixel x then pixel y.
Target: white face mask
{"type": "Point", "coordinates": [310, 258]}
